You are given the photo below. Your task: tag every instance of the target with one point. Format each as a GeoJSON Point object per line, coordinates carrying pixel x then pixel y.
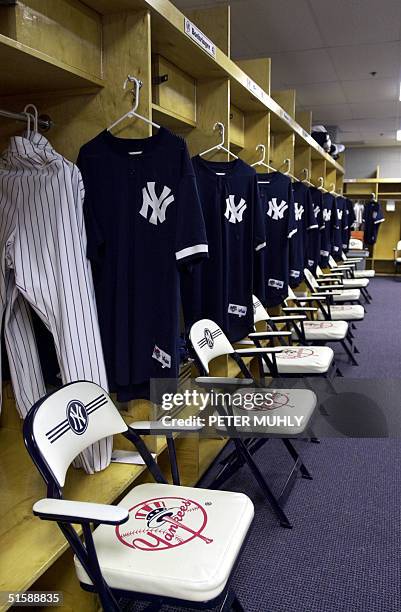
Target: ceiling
{"type": "Point", "coordinates": [327, 50]}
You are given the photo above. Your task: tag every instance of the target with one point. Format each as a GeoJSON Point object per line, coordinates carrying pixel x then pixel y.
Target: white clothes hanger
{"type": "Point", "coordinates": [261, 162]}
{"type": "Point", "coordinates": [35, 116]}
{"type": "Point", "coordinates": [28, 123]}
{"type": "Point", "coordinates": [220, 146]}
{"type": "Point", "coordinates": [306, 177]}
{"type": "Point", "coordinates": [320, 184]}
{"type": "Point", "coordinates": [132, 112]}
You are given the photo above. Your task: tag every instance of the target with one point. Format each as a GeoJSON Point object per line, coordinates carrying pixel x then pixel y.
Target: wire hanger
{"type": "Point", "coordinates": [373, 196]}
{"type": "Point", "coordinates": [306, 177]}
{"type": "Point", "coordinates": [320, 184]}
{"type": "Point", "coordinates": [132, 112]}
{"type": "Point", "coordinates": [35, 116]}
{"type": "Point", "coordinates": [333, 188]}
{"type": "Point", "coordinates": [261, 162]}
{"type": "Point", "coordinates": [220, 146]}
{"type": "Point", "coordinates": [28, 123]}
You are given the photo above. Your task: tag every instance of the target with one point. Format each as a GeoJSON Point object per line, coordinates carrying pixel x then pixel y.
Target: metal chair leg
{"type": "Point", "coordinates": [173, 460]}
{"type": "Point", "coordinates": [349, 353]}
{"type": "Point", "coordinates": [277, 509]}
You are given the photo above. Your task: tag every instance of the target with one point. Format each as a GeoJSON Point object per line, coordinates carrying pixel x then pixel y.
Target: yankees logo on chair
{"type": "Point", "coordinates": [77, 418]}
{"type": "Point", "coordinates": [276, 211]}
{"type": "Point", "coordinates": [234, 212]}
{"type": "Point", "coordinates": [157, 204]}
{"type": "Point", "coordinates": [208, 338]}
{"type": "Point", "coordinates": [163, 523]}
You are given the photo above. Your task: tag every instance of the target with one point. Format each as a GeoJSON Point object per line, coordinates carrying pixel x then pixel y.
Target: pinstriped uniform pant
{"type": "Point", "coordinates": [43, 262]}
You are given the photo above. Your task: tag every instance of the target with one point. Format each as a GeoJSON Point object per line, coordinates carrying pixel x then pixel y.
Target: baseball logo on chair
{"type": "Point", "coordinates": [163, 523]}
{"type": "Point", "coordinates": [297, 353]}
{"type": "Point", "coordinates": [77, 417]}
{"type": "Point", "coordinates": [209, 338]}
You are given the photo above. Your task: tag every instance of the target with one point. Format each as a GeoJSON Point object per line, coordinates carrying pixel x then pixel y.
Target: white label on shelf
{"type": "Point", "coordinates": [199, 38]}
{"type": "Point", "coordinates": [255, 89]}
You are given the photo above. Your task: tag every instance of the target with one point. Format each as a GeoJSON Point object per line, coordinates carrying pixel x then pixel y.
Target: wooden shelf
{"type": "Point", "coordinates": [170, 40]}
{"type": "Point", "coordinates": [171, 120]}
{"type": "Point", "coordinates": [34, 71]}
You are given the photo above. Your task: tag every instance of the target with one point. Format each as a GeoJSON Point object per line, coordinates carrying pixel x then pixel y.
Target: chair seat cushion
{"type": "Point", "coordinates": [345, 312]}
{"type": "Point", "coordinates": [364, 273]}
{"type": "Point", "coordinates": [304, 360]}
{"type": "Point", "coordinates": [355, 283]}
{"type": "Point", "coordinates": [280, 421]}
{"type": "Point", "coordinates": [178, 542]}
{"type": "Point", "coordinates": [347, 295]}
{"type": "Point", "coordinates": [324, 330]}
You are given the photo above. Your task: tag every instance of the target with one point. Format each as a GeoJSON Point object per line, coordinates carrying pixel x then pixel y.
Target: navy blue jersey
{"type": "Point", "coordinates": [144, 222]}
{"type": "Point", "coordinates": [221, 288]}
{"type": "Point", "coordinates": [306, 222]}
{"type": "Point", "coordinates": [314, 238]}
{"type": "Point", "coordinates": [351, 218]}
{"type": "Point", "coordinates": [330, 222]}
{"type": "Point", "coordinates": [372, 217]}
{"type": "Point", "coordinates": [279, 215]}
{"type": "Point", "coordinates": [340, 227]}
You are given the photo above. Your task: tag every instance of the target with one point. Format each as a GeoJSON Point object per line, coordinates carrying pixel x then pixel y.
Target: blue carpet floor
{"type": "Point", "coordinates": [344, 551]}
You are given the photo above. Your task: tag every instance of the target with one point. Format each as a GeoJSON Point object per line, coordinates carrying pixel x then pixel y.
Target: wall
{"type": "Point", "coordinates": [362, 162]}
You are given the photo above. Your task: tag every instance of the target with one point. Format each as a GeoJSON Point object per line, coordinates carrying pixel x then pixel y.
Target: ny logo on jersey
{"type": "Point", "coordinates": [326, 214]}
{"type": "Point", "coordinates": [340, 214]}
{"type": "Point", "coordinates": [234, 211]}
{"type": "Point", "coordinates": [276, 211]}
{"type": "Point", "coordinates": [299, 211]}
{"type": "Point", "coordinates": [316, 211]}
{"type": "Point", "coordinates": [157, 205]}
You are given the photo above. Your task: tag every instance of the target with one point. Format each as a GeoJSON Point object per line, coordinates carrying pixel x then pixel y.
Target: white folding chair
{"type": "Point", "coordinates": [209, 342]}
{"type": "Point", "coordinates": [162, 543]}
{"type": "Point", "coordinates": [346, 272]}
{"type": "Point", "coordinates": [292, 360]}
{"type": "Point", "coordinates": [331, 311]}
{"type": "Point", "coordinates": [397, 256]}
{"type": "Point", "coordinates": [353, 261]}
{"type": "Point", "coordinates": [318, 332]}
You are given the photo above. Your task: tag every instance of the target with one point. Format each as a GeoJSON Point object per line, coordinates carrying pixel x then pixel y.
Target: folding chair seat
{"type": "Point", "coordinates": [209, 342]}
{"type": "Point", "coordinates": [352, 281]}
{"type": "Point", "coordinates": [332, 286]}
{"type": "Point", "coordinates": [352, 261]}
{"type": "Point", "coordinates": [177, 542]}
{"type": "Point", "coordinates": [292, 360]}
{"type": "Point", "coordinates": [344, 312]}
{"type": "Point", "coordinates": [350, 284]}
{"type": "Point", "coordinates": [161, 543]}
{"type": "Point", "coordinates": [348, 278]}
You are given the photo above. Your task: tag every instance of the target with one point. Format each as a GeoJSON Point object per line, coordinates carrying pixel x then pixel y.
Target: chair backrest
{"type": "Point", "coordinates": [63, 424]}
{"type": "Point", "coordinates": [332, 262]}
{"type": "Point", "coordinates": [259, 311]}
{"type": "Point", "coordinates": [209, 341]}
{"type": "Point", "coordinates": [310, 279]}
{"type": "Point", "coordinates": [355, 243]}
{"type": "Point", "coordinates": [291, 295]}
